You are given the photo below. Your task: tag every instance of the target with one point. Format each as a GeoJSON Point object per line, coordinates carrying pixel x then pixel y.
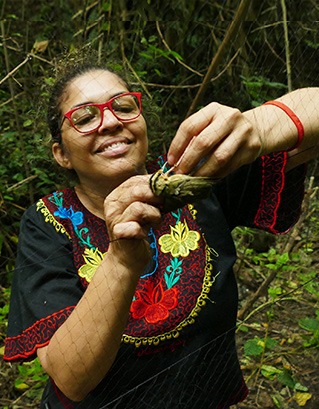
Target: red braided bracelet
{"type": "Point", "coordinates": [294, 118]}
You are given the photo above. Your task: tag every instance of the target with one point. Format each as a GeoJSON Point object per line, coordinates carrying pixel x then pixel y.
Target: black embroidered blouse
{"type": "Point", "coordinates": [178, 348]}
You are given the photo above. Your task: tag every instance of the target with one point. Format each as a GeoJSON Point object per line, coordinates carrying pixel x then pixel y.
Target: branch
{"type": "Point", "coordinates": [11, 99]}
{"type": "Point", "coordinates": [178, 59]}
{"type": "Point", "coordinates": [288, 65]}
{"type": "Point", "coordinates": [261, 290]}
{"type": "Point", "coordinates": [152, 84]}
{"type": "Point", "coordinates": [126, 61]}
{"type": "Point", "coordinates": [28, 58]}
{"type": "Point", "coordinates": [230, 35]}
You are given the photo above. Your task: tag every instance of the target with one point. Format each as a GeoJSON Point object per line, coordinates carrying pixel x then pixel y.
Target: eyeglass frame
{"type": "Point", "coordinates": [101, 107]}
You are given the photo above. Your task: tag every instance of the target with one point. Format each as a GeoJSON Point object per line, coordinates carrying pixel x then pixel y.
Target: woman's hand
{"type": "Point", "coordinates": [130, 212]}
{"type": "Point", "coordinates": [221, 136]}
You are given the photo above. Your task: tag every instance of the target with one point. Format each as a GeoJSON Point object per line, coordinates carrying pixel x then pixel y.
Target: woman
{"type": "Point", "coordinates": [127, 307]}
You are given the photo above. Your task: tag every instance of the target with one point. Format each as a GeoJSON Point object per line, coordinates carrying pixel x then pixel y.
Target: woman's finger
{"type": "Point", "coordinates": [235, 151]}
{"type": "Point", "coordinates": [135, 189]}
{"type": "Point", "coordinates": [191, 127]}
{"type": "Point", "coordinates": [207, 129]}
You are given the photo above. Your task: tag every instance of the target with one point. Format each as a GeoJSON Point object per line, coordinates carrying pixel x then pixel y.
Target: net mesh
{"type": "Point", "coordinates": [264, 58]}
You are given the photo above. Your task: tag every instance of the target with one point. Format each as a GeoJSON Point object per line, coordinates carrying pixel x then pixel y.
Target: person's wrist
{"type": "Point", "coordinates": [294, 119]}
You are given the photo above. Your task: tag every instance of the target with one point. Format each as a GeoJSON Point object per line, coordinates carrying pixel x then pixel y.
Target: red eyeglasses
{"type": "Point", "coordinates": [89, 117]}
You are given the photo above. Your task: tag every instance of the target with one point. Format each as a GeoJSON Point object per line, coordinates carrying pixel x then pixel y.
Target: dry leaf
{"type": "Point", "coordinates": [302, 397]}
{"type": "Point", "coordinates": [40, 46]}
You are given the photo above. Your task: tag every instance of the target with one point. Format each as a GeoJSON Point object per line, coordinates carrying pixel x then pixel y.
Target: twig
{"type": "Point", "coordinates": [151, 84]}
{"type": "Point", "coordinates": [243, 319]}
{"type": "Point", "coordinates": [299, 225]}
{"type": "Point", "coordinates": [262, 356]}
{"type": "Point", "coordinates": [288, 65]}
{"type": "Point", "coordinates": [86, 28]}
{"type": "Point", "coordinates": [266, 26]}
{"type": "Point", "coordinates": [28, 58]}
{"type": "Point", "coordinates": [227, 66]}
{"type": "Point", "coordinates": [169, 49]}
{"type": "Point", "coordinates": [231, 33]}
{"type": "Point", "coordinates": [40, 58]}
{"type": "Point", "coordinates": [261, 290]}
{"type": "Point", "coordinates": [126, 61]}
{"type": "Point", "coordinates": [9, 47]}
{"type": "Point", "coordinates": [84, 10]}
{"type": "Point", "coordinates": [2, 9]}
{"type": "Point", "coordinates": [11, 99]}
{"type": "Point", "coordinates": [22, 182]}
{"type": "Point", "coordinates": [17, 120]}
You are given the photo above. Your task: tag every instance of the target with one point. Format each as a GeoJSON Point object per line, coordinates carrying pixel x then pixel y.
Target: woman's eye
{"type": "Point", "coordinates": [124, 105]}
{"type": "Point", "coordinates": [84, 115]}
{"type": "Point", "coordinates": [123, 108]}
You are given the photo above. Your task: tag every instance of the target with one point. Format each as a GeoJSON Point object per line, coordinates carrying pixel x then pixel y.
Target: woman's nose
{"type": "Point", "coordinates": [109, 122]}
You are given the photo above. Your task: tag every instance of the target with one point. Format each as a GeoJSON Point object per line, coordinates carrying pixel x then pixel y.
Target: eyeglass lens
{"type": "Point", "coordinates": [87, 118]}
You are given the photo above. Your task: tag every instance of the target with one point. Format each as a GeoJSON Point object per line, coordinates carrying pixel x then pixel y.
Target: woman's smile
{"type": "Point", "coordinates": [114, 147]}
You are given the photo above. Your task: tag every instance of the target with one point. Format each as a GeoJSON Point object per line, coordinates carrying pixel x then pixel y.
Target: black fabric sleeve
{"type": "Point", "coordinates": [45, 288]}
{"type": "Point", "coordinates": [262, 195]}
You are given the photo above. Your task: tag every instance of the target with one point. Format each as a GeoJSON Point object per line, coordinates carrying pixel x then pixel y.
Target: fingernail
{"type": "Point", "coordinates": [170, 159]}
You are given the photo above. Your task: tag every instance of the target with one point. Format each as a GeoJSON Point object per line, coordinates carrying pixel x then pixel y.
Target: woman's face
{"type": "Point", "coordinates": [112, 153]}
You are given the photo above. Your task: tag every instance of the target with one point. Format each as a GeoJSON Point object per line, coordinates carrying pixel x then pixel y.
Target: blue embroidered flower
{"type": "Point", "coordinates": [75, 217]}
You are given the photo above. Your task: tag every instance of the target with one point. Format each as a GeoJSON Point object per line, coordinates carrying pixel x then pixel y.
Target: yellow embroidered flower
{"type": "Point", "coordinates": [180, 241]}
{"type": "Point", "coordinates": [92, 260]}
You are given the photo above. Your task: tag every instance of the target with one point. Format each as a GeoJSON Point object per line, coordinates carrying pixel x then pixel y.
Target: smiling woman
{"type": "Point", "coordinates": [126, 303]}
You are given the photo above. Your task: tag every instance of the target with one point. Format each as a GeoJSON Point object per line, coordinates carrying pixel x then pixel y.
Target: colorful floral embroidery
{"type": "Point", "coordinates": [180, 241]}
{"type": "Point", "coordinates": [166, 300]}
{"type": "Point", "coordinates": [75, 217]}
{"type": "Point", "coordinates": [154, 304]}
{"type": "Point", "coordinates": [48, 217]}
{"type": "Point", "coordinates": [92, 259]}
{"type": "Point", "coordinates": [173, 272]}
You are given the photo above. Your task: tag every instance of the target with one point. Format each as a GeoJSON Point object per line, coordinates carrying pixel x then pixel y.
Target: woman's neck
{"type": "Point", "coordinates": [93, 201]}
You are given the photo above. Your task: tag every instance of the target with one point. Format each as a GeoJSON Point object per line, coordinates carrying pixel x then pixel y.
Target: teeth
{"type": "Point", "coordinates": [113, 146]}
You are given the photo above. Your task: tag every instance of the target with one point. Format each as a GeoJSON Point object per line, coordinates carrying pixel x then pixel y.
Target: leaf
{"type": "Point", "coordinates": [302, 398]}
{"type": "Point", "coordinates": [253, 347]}
{"type": "Point", "coordinates": [40, 46]}
{"type": "Point", "coordinates": [299, 387]}
{"type": "Point", "coordinates": [176, 55]}
{"type": "Point", "coordinates": [310, 324]}
{"type": "Point", "coordinates": [27, 123]}
{"type": "Point", "coordinates": [146, 56]}
{"type": "Point", "coordinates": [286, 379]}
{"type": "Point", "coordinates": [271, 343]}
{"type": "Point", "coordinates": [19, 384]}
{"type": "Point", "coordinates": [106, 6]}
{"type": "Point", "coordinates": [270, 372]}
{"type": "Point", "coordinates": [283, 259]}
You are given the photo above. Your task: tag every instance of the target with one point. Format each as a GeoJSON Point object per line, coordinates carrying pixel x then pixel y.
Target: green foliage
{"type": "Point", "coordinates": [311, 325]}
{"type": "Point", "coordinates": [256, 346]}
{"type": "Point", "coordinates": [31, 379]}
{"type": "Point", "coordinates": [167, 47]}
{"type": "Point", "coordinates": [261, 89]}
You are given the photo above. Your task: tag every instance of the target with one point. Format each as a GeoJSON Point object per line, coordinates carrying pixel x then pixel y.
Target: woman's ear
{"type": "Point", "coordinates": [61, 156]}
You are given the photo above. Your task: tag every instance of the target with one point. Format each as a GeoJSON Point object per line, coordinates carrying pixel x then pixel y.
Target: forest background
{"type": "Point", "coordinates": [239, 53]}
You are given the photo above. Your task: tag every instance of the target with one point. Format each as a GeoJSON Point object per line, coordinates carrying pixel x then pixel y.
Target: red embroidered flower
{"type": "Point", "coordinates": [154, 303]}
